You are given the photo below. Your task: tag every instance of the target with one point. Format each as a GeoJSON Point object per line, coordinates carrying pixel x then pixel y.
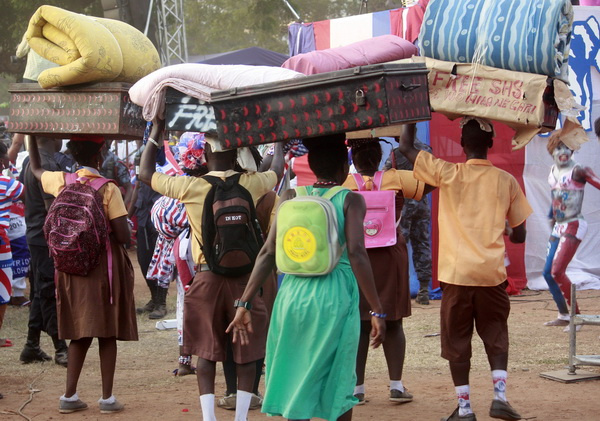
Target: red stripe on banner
{"type": "Point", "coordinates": [322, 34]}
{"type": "Point", "coordinates": [412, 25]}
{"type": "Point", "coordinates": [444, 136]}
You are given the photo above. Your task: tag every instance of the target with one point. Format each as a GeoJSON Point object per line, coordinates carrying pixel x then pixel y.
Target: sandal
{"type": "Point", "coordinates": [5, 343]}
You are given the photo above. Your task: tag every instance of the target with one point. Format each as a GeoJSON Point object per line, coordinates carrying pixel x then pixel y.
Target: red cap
{"type": "Point", "coordinates": [89, 138]}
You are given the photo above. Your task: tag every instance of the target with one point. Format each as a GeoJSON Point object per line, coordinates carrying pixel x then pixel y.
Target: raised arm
{"type": "Point", "coordinates": [278, 161]}
{"type": "Point", "coordinates": [35, 162]}
{"type": "Point", "coordinates": [148, 159]}
{"type": "Point", "coordinates": [586, 174]}
{"type": "Point", "coordinates": [406, 142]}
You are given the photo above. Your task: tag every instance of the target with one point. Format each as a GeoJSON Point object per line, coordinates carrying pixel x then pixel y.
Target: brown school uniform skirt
{"type": "Point", "coordinates": [208, 310]}
{"type": "Point", "coordinates": [83, 302]}
{"type": "Point", "coordinates": [390, 270]}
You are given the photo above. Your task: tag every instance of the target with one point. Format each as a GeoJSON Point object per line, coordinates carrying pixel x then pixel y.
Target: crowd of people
{"type": "Point", "coordinates": [309, 332]}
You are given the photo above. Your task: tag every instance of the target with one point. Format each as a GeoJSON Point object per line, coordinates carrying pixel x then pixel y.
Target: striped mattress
{"type": "Point", "coordinates": [531, 36]}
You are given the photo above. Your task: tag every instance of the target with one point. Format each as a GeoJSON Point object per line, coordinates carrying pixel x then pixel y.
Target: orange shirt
{"type": "Point", "coordinates": [475, 200]}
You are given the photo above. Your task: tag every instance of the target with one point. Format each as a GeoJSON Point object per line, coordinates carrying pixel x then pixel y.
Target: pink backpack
{"type": "Point", "coordinates": [380, 220]}
{"type": "Point", "coordinates": [76, 227]}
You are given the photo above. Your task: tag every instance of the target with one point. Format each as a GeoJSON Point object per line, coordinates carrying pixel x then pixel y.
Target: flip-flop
{"type": "Point", "coordinates": [6, 344]}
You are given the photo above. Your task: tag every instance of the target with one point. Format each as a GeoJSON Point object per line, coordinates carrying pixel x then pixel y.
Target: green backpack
{"type": "Point", "coordinates": [307, 234]}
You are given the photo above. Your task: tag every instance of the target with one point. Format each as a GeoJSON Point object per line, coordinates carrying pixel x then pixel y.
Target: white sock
{"type": "Point", "coordinates": [108, 401]}
{"type": "Point", "coordinates": [464, 400]}
{"type": "Point", "coordinates": [359, 388]}
{"type": "Point", "coordinates": [396, 384]}
{"type": "Point", "coordinates": [242, 403]}
{"type": "Point", "coordinates": [562, 316]}
{"type": "Point", "coordinates": [499, 379]}
{"type": "Point", "coordinates": [207, 403]}
{"type": "Point", "coordinates": [73, 398]}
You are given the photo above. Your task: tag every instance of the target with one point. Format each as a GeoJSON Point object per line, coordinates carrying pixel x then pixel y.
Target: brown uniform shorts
{"type": "Point", "coordinates": [208, 310]}
{"type": "Point", "coordinates": [486, 308]}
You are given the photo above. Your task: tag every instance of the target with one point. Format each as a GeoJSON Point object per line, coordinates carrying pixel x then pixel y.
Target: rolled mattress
{"type": "Point", "coordinates": [530, 36]}
{"type": "Point", "coordinates": [88, 49]}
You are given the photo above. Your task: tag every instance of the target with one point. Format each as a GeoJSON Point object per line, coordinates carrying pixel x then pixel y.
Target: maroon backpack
{"type": "Point", "coordinates": [76, 227]}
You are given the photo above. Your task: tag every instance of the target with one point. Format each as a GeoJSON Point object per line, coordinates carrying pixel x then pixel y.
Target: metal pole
{"type": "Point", "coordinates": [292, 10]}
{"type": "Point", "coordinates": [572, 332]}
{"type": "Point", "coordinates": [149, 16]}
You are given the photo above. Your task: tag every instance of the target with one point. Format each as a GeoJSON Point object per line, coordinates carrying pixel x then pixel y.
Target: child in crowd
{"type": "Point", "coordinates": [476, 201]}
{"type": "Point", "coordinates": [207, 306]}
{"type": "Point", "coordinates": [313, 335]}
{"type": "Point", "coordinates": [390, 270]}
{"type": "Point", "coordinates": [90, 306]}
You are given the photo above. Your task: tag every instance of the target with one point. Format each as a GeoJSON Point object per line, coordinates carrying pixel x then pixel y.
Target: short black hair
{"type": "Point", "coordinates": [84, 151]}
{"type": "Point", "coordinates": [597, 127]}
{"type": "Point", "coordinates": [366, 153]}
{"type": "Point", "coordinates": [474, 138]}
{"type": "Point", "coordinates": [3, 148]}
{"type": "Point", "coordinates": [326, 154]}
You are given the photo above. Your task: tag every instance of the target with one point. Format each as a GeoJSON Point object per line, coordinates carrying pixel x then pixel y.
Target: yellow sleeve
{"type": "Point", "coordinates": [113, 202]}
{"type": "Point", "coordinates": [405, 181]}
{"type": "Point", "coordinates": [53, 182]}
{"type": "Point", "coordinates": [173, 187]}
{"type": "Point", "coordinates": [430, 169]}
{"type": "Point", "coordinates": [259, 183]}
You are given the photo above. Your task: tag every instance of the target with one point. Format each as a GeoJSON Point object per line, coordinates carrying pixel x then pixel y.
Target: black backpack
{"type": "Point", "coordinates": [231, 235]}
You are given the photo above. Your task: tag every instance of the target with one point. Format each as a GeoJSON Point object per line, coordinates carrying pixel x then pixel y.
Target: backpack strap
{"type": "Point", "coordinates": [97, 182]}
{"type": "Point", "coordinates": [70, 178]}
{"type": "Point", "coordinates": [333, 191]}
{"type": "Point", "coordinates": [301, 191]}
{"type": "Point", "coordinates": [377, 180]}
{"type": "Point", "coordinates": [360, 183]}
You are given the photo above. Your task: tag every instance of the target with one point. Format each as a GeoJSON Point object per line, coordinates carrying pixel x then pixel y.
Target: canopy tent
{"type": "Point", "coordinates": [530, 166]}
{"type": "Point", "coordinates": [253, 56]}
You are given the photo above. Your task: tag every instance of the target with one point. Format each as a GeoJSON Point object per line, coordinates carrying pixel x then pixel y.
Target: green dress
{"type": "Point", "coordinates": [313, 341]}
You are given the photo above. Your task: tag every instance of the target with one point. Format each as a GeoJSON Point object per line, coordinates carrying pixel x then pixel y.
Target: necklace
{"type": "Point", "coordinates": [325, 183]}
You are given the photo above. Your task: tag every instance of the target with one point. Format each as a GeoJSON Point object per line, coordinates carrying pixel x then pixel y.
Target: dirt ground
{"type": "Point", "coordinates": [145, 384]}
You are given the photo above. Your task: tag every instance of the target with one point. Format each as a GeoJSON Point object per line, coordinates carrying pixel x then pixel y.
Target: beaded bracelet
{"type": "Point", "coordinates": [378, 315]}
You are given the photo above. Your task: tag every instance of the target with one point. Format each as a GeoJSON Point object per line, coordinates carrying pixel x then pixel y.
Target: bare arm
{"type": "Point", "coordinates": [35, 162]}
{"type": "Point", "coordinates": [148, 159]}
{"type": "Point", "coordinates": [406, 142]}
{"type": "Point", "coordinates": [120, 229]}
{"type": "Point", "coordinates": [277, 163]}
{"type": "Point", "coordinates": [128, 194]}
{"type": "Point", "coordinates": [15, 147]}
{"type": "Point", "coordinates": [517, 234]}
{"type": "Point", "coordinates": [585, 174]}
{"type": "Point", "coordinates": [354, 210]}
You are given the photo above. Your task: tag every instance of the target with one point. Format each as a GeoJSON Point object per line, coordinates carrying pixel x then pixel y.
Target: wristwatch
{"type": "Point", "coordinates": [246, 304]}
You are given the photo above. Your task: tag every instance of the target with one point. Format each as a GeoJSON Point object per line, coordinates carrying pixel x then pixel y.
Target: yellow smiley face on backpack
{"type": "Point", "coordinates": [299, 244]}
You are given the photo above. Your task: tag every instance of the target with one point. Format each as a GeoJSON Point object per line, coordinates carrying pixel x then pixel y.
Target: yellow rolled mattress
{"type": "Point", "coordinates": [89, 49]}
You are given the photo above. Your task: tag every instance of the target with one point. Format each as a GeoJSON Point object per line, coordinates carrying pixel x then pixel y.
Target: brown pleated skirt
{"type": "Point", "coordinates": [83, 302]}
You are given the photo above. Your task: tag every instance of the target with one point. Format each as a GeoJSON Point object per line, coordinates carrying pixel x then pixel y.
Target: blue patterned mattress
{"type": "Point", "coordinates": [530, 36]}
